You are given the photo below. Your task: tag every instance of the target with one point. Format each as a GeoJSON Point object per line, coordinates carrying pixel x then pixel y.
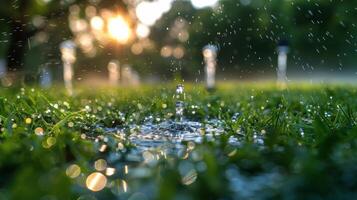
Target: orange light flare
{"type": "Point", "coordinates": [119, 29]}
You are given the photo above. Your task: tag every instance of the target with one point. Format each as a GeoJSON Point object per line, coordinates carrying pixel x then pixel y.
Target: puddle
{"type": "Point", "coordinates": [170, 136]}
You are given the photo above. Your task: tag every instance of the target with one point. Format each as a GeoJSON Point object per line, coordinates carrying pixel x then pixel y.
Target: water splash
{"type": "Point", "coordinates": [169, 136]}
{"type": "Point", "coordinates": [180, 104]}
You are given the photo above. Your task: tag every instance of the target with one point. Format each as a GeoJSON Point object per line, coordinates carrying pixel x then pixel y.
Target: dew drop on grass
{"type": "Point", "coordinates": [87, 108]}
{"type": "Point", "coordinates": [28, 120]}
{"type": "Point", "coordinates": [14, 125]}
{"type": "Point", "coordinates": [70, 124]}
{"type": "Point", "coordinates": [83, 136]}
{"type": "Point", "coordinates": [302, 133]}
{"type": "Point", "coordinates": [327, 114]}
{"type": "Point", "coordinates": [39, 131]}
{"type": "Point", "coordinates": [258, 139]}
{"type": "Point", "coordinates": [235, 117]}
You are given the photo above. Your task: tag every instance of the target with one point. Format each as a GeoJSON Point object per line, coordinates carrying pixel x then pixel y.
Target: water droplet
{"type": "Point", "coordinates": [96, 181]}
{"type": "Point", "coordinates": [179, 110]}
{"type": "Point", "coordinates": [73, 171]}
{"type": "Point", "coordinates": [110, 171]}
{"type": "Point", "coordinates": [28, 120]}
{"type": "Point", "coordinates": [126, 169]}
{"type": "Point", "coordinates": [70, 124]}
{"type": "Point", "coordinates": [179, 89]}
{"type": "Point", "coordinates": [235, 117]}
{"type": "Point", "coordinates": [100, 165]}
{"type": "Point", "coordinates": [14, 125]}
{"type": "Point", "coordinates": [103, 148]}
{"type": "Point", "coordinates": [120, 146]}
{"type": "Point", "coordinates": [302, 133]}
{"type": "Point", "coordinates": [39, 131]}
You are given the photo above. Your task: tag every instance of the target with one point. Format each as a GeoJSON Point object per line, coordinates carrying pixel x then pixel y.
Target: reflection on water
{"type": "Point", "coordinates": [154, 142]}
{"type": "Point", "coordinates": [170, 136]}
{"type": "Point", "coordinates": [132, 157]}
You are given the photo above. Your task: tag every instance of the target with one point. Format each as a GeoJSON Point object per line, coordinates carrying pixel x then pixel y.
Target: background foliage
{"type": "Point", "coordinates": [321, 35]}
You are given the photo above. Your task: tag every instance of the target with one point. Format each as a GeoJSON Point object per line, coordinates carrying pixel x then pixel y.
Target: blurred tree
{"type": "Point", "coordinates": [19, 17]}
{"type": "Point", "coordinates": [321, 33]}
{"type": "Point", "coordinates": [23, 19]}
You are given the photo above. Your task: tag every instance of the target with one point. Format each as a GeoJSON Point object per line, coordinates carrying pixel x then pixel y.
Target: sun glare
{"type": "Point", "coordinates": [203, 3]}
{"type": "Point", "coordinates": [119, 29]}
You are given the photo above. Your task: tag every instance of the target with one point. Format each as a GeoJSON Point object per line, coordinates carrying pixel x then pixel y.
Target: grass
{"type": "Point", "coordinates": [307, 150]}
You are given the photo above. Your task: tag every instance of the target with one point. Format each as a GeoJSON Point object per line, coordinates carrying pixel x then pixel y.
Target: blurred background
{"type": "Point", "coordinates": [162, 40]}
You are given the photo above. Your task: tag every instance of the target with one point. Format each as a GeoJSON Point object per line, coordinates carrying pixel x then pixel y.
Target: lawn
{"type": "Point", "coordinates": [298, 143]}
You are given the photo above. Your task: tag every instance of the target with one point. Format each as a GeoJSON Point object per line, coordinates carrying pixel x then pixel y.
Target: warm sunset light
{"type": "Point", "coordinates": [178, 99]}
{"type": "Point", "coordinates": [97, 23]}
{"type": "Point", "coordinates": [119, 29]}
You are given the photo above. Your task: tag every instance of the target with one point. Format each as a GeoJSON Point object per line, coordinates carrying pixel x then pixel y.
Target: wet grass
{"type": "Point", "coordinates": [299, 143]}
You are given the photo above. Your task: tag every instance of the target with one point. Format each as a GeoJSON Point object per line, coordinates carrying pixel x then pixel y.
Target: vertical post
{"type": "Point", "coordinates": [114, 72]}
{"type": "Point", "coordinates": [45, 77]}
{"type": "Point", "coordinates": [283, 50]}
{"type": "Point", "coordinates": [210, 59]}
{"type": "Point", "coordinates": [2, 68]}
{"type": "Point", "coordinates": [68, 51]}
{"type": "Point", "coordinates": [3, 72]}
{"type": "Point", "coordinates": [126, 75]}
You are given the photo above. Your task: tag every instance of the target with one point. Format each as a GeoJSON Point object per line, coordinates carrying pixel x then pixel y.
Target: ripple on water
{"type": "Point", "coordinates": [170, 135]}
